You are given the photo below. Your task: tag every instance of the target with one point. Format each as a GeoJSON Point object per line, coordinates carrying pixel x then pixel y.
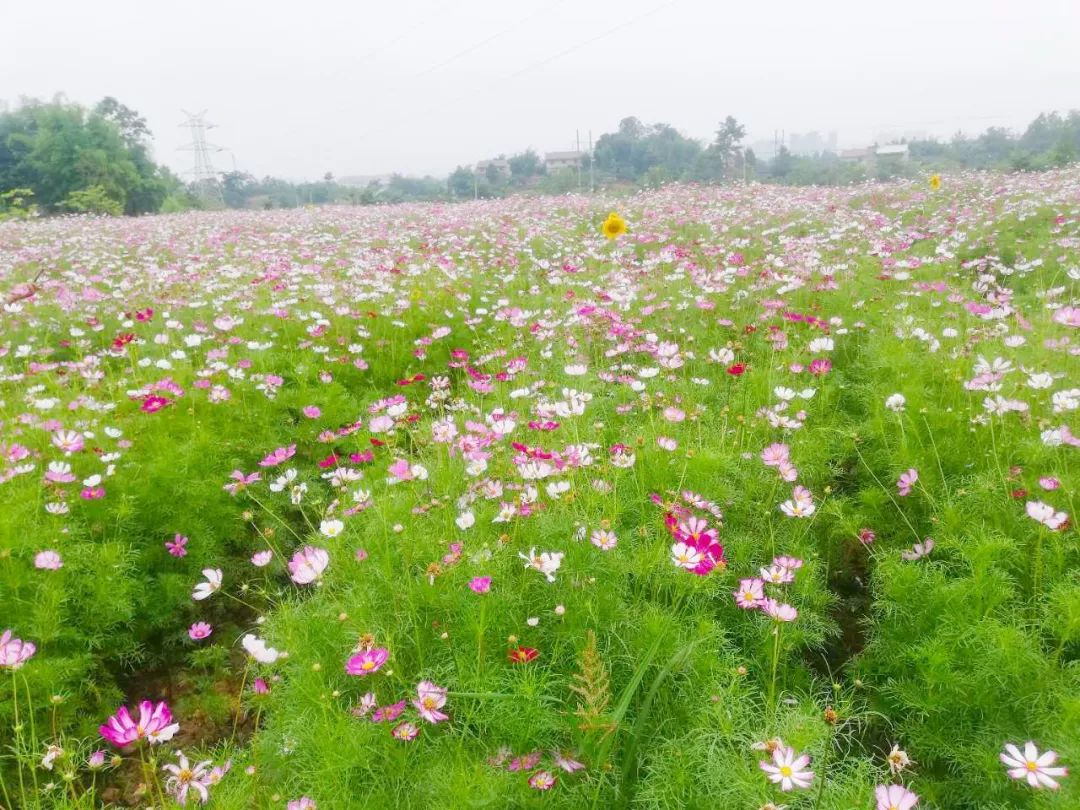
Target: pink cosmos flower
{"type": "Point", "coordinates": [260, 687]}
{"type": "Point", "coordinates": [1045, 514]}
{"type": "Point", "coordinates": [1038, 769]}
{"type": "Point", "coordinates": [241, 482]}
{"type": "Point", "coordinates": [777, 575]}
{"type": "Point", "coordinates": [604, 540]}
{"type": "Point", "coordinates": [48, 560]}
{"type": "Point", "coordinates": [68, 441]}
{"type": "Point", "coordinates": [308, 565]}
{"type": "Point", "coordinates": [96, 760]}
{"type": "Point", "coordinates": [405, 731]}
{"type": "Point", "coordinates": [154, 403]}
{"type": "Point", "coordinates": [200, 630]}
{"type": "Point", "coordinates": [542, 780]}
{"type": "Point", "coordinates": [750, 594]}
{"type": "Point", "coordinates": [430, 698]}
{"type": "Point", "coordinates": [480, 584]}
{"type": "Point", "coordinates": [400, 470]}
{"type": "Point", "coordinates": [177, 547]}
{"type": "Point", "coordinates": [262, 558]}
{"type": "Point", "coordinates": [790, 563]}
{"type": "Point", "coordinates": [14, 652]}
{"type": "Point", "coordinates": [303, 803]}
{"type": "Point", "coordinates": [388, 713]}
{"type": "Point", "coordinates": [312, 412]}
{"type": "Point", "coordinates": [279, 456]}
{"type": "Point", "coordinates": [779, 611]}
{"type": "Point", "coordinates": [367, 662]}
{"type": "Point", "coordinates": [186, 777]}
{"type": "Point", "coordinates": [155, 725]}
{"type": "Point", "coordinates": [1049, 483]}
{"type": "Point", "coordinates": [787, 770]}
{"type": "Point", "coordinates": [566, 763]}
{"type": "Point", "coordinates": [1068, 316]}
{"type": "Point", "coordinates": [666, 443]}
{"type": "Point", "coordinates": [775, 454]}
{"type": "Point", "coordinates": [894, 797]}
{"type": "Point", "coordinates": [906, 481]}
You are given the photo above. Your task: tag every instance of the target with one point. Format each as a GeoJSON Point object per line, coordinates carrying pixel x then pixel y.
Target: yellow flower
{"type": "Point", "coordinates": [614, 226]}
{"type": "Point", "coordinates": [935, 182]}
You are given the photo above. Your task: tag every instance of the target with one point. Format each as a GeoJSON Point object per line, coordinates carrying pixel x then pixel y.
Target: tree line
{"type": "Point", "coordinates": [59, 157]}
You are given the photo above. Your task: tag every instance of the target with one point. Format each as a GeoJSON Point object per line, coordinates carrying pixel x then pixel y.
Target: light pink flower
{"type": "Point", "coordinates": [308, 564]}
{"type": "Point", "coordinates": [750, 594]}
{"type": "Point", "coordinates": [894, 797]}
{"type": "Point", "coordinates": [48, 560]}
{"type": "Point", "coordinates": [906, 481]}
{"type": "Point", "coordinates": [312, 412]}
{"type": "Point", "coordinates": [1045, 514]}
{"type": "Point", "coordinates": [1038, 769]}
{"type": "Point", "coordinates": [787, 770]}
{"type": "Point", "coordinates": [262, 558]}
{"type": "Point", "coordinates": [430, 699]}
{"type": "Point", "coordinates": [14, 652]}
{"type": "Point", "coordinates": [279, 456]}
{"type": "Point", "coordinates": [200, 630]}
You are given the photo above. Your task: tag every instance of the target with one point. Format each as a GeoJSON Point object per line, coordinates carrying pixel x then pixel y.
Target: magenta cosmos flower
{"type": "Point", "coordinates": [480, 584]}
{"type": "Point", "coordinates": [14, 652]}
{"type": "Point", "coordinates": [308, 565]}
{"type": "Point", "coordinates": [1038, 769]}
{"type": "Point", "coordinates": [430, 698]}
{"type": "Point", "coordinates": [367, 662]}
{"type": "Point", "coordinates": [894, 797]}
{"type": "Point", "coordinates": [200, 630]}
{"type": "Point", "coordinates": [154, 724]}
{"type": "Point", "coordinates": [787, 770]}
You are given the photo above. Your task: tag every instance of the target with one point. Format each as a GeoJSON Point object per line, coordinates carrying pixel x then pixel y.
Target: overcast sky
{"type": "Point", "coordinates": [359, 87]}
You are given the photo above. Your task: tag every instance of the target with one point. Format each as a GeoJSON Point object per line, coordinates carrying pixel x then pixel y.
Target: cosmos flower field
{"type": "Point", "coordinates": [746, 497]}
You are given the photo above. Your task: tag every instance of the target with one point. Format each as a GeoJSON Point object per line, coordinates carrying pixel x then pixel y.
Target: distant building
{"type": "Point", "coordinates": [811, 143]}
{"type": "Point", "coordinates": [502, 167]}
{"type": "Point", "coordinates": [865, 155]}
{"type": "Point", "coordinates": [893, 151]}
{"type": "Point", "coordinates": [869, 155]}
{"type": "Point", "coordinates": [553, 161]}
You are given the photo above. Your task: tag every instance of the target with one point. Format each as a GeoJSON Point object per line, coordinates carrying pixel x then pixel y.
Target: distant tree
{"type": "Point", "coordinates": [132, 126]}
{"type": "Point", "coordinates": [526, 164]}
{"type": "Point", "coordinates": [461, 183]}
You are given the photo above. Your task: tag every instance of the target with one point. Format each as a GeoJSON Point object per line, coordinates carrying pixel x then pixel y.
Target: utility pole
{"type": "Point", "coordinates": [577, 139]}
{"type": "Point", "coordinates": [475, 187]}
{"type": "Point", "coordinates": [592, 176]}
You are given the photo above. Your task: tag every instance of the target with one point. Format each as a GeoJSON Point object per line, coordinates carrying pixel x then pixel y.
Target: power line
{"type": "Point", "coordinates": [591, 40]}
{"type": "Point", "coordinates": [476, 46]}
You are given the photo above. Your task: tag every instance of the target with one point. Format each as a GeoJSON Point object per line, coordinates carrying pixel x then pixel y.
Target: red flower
{"type": "Point", "coordinates": [736, 369]}
{"type": "Point", "coordinates": [522, 655]}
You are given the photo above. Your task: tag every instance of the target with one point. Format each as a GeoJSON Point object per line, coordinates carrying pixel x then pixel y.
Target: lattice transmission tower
{"type": "Point", "coordinates": [203, 177]}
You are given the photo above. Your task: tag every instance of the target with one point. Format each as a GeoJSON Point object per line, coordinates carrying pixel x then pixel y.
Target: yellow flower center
{"type": "Point", "coordinates": [367, 665]}
{"type": "Point", "coordinates": [185, 775]}
{"type": "Point", "coordinates": [785, 771]}
{"type": "Point", "coordinates": [1032, 766]}
{"type": "Point", "coordinates": [429, 702]}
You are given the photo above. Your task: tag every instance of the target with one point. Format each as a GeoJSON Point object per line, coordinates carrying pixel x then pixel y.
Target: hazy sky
{"type": "Point", "coordinates": [358, 87]}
